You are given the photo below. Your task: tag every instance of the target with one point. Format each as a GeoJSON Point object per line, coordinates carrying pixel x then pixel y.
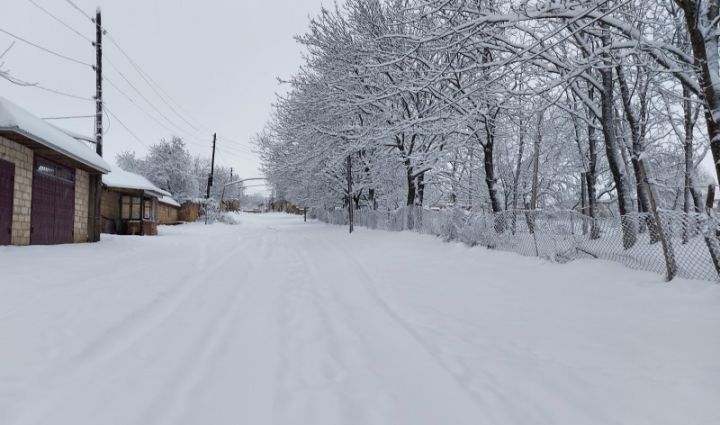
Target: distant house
{"type": "Point", "coordinates": [168, 210]}
{"type": "Point", "coordinates": [189, 211]}
{"type": "Point", "coordinates": [45, 181]}
{"type": "Point", "coordinates": [131, 204]}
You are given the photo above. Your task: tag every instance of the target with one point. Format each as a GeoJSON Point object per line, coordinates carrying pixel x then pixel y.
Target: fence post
{"type": "Point", "coordinates": [666, 243]}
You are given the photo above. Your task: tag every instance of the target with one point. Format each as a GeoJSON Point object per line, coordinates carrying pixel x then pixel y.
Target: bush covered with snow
{"type": "Point", "coordinates": [231, 218]}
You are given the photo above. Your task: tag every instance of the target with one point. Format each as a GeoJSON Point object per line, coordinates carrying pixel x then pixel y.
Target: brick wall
{"type": "Point", "coordinates": [22, 157]}
{"type": "Point", "coordinates": [82, 198]}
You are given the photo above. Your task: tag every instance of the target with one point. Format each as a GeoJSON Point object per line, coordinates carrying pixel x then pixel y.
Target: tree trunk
{"type": "Point", "coordinates": [351, 210]}
{"type": "Point", "coordinates": [667, 246]}
{"type": "Point", "coordinates": [705, 52]}
{"type": "Point", "coordinates": [636, 153]}
{"type": "Point", "coordinates": [411, 188]}
{"type": "Point", "coordinates": [490, 179]}
{"type": "Point", "coordinates": [688, 147]}
{"type": "Point", "coordinates": [516, 176]}
{"type": "Point", "coordinates": [420, 189]}
{"type": "Point", "coordinates": [617, 169]}
{"type": "Point", "coordinates": [492, 186]}
{"type": "Point", "coordinates": [590, 175]}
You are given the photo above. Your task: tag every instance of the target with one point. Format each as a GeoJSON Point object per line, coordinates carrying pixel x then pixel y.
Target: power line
{"type": "Point", "coordinates": [147, 79]}
{"type": "Point", "coordinates": [70, 117]}
{"type": "Point", "coordinates": [179, 131]}
{"type": "Point", "coordinates": [234, 149]}
{"type": "Point", "coordinates": [237, 145]}
{"type": "Point", "coordinates": [140, 108]}
{"type": "Point", "coordinates": [152, 105]}
{"type": "Point", "coordinates": [69, 27]}
{"type": "Point", "coordinates": [160, 92]}
{"type": "Point", "coordinates": [45, 49]}
{"type": "Point", "coordinates": [126, 127]}
{"type": "Point", "coordinates": [76, 7]}
{"type": "Point", "coordinates": [238, 149]}
{"type": "Point", "coordinates": [61, 93]}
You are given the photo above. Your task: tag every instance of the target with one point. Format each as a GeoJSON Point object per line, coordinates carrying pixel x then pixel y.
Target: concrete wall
{"type": "Point", "coordinates": [22, 157]}
{"type": "Point", "coordinates": [82, 200]}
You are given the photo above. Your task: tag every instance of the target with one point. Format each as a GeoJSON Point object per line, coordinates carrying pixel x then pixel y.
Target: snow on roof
{"type": "Point", "coordinates": [16, 119]}
{"type": "Point", "coordinates": [121, 179]}
{"type": "Point", "coordinates": [169, 201]}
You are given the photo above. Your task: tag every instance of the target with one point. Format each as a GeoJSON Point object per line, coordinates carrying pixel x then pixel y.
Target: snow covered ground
{"type": "Point", "coordinates": [276, 321]}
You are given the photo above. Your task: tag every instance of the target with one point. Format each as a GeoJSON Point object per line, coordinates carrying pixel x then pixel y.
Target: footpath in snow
{"type": "Point", "coordinates": [276, 321]}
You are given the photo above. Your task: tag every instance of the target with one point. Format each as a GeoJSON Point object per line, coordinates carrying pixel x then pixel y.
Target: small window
{"type": "Point", "coordinates": [125, 208]}
{"type": "Point", "coordinates": [148, 212]}
{"type": "Point", "coordinates": [51, 169]}
{"type": "Point", "coordinates": [135, 212]}
{"type": "Point", "coordinates": [130, 208]}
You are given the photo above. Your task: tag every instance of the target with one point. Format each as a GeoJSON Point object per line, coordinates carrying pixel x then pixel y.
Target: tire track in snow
{"type": "Point", "coordinates": [383, 379]}
{"type": "Point", "coordinates": [120, 338]}
{"type": "Point", "coordinates": [194, 369]}
{"type": "Point", "coordinates": [369, 285]}
{"type": "Point", "coordinates": [314, 366]}
{"type": "Point", "coordinates": [458, 370]}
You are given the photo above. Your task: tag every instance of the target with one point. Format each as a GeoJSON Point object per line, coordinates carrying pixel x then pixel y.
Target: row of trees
{"type": "Point", "coordinates": [501, 104]}
{"type": "Point", "coordinates": [170, 166]}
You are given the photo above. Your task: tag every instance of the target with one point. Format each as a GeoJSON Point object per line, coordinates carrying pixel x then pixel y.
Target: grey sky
{"type": "Point", "coordinates": [218, 59]}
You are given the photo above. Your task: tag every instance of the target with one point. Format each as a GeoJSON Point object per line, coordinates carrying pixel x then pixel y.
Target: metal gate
{"type": "Point", "coordinates": [7, 185]}
{"type": "Point", "coordinates": [53, 204]}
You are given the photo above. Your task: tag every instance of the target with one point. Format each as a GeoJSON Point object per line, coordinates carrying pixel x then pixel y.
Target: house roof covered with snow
{"type": "Point", "coordinates": [121, 179]}
{"type": "Point", "coordinates": [14, 119]}
{"type": "Point", "coordinates": [169, 201]}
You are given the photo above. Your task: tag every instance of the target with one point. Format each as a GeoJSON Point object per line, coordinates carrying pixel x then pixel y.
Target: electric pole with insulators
{"type": "Point", "coordinates": [95, 225]}
{"type": "Point", "coordinates": [212, 168]}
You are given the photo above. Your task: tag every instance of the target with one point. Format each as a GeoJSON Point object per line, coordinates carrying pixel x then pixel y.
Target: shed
{"type": "Point", "coordinates": [168, 210]}
{"type": "Point", "coordinates": [45, 181]}
{"type": "Point", "coordinates": [130, 204]}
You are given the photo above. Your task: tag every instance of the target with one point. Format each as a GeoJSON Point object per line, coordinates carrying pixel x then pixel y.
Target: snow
{"type": "Point", "coordinates": [277, 321]}
{"type": "Point", "coordinates": [169, 201]}
{"type": "Point", "coordinates": [14, 118]}
{"type": "Point", "coordinates": [121, 179]}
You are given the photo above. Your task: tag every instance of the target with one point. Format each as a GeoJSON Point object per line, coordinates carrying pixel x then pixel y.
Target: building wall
{"type": "Point", "coordinates": [167, 213]}
{"type": "Point", "coordinates": [82, 205]}
{"type": "Point", "coordinates": [189, 211]}
{"type": "Point", "coordinates": [22, 157]}
{"type": "Point", "coordinates": [110, 211]}
{"type": "Point", "coordinates": [110, 205]}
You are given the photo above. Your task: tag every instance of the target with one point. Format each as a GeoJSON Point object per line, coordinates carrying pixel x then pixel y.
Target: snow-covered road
{"type": "Point", "coordinates": [276, 321]}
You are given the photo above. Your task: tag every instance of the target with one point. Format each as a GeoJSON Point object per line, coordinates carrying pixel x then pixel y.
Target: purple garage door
{"type": "Point", "coordinates": [7, 185]}
{"type": "Point", "coordinates": [53, 204]}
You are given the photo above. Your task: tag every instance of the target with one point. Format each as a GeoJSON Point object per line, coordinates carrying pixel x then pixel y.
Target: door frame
{"type": "Point", "coordinates": [62, 176]}
{"type": "Point", "coordinates": [6, 236]}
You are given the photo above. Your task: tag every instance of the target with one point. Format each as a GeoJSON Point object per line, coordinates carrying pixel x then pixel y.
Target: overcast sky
{"type": "Point", "coordinates": [217, 59]}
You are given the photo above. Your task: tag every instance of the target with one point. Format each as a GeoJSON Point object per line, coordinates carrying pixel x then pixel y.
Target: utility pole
{"type": "Point", "coordinates": [212, 168]}
{"type": "Point", "coordinates": [98, 84]}
{"type": "Point", "coordinates": [95, 225]}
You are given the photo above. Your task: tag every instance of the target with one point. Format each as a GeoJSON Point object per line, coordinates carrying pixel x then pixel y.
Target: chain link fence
{"type": "Point", "coordinates": [634, 240]}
